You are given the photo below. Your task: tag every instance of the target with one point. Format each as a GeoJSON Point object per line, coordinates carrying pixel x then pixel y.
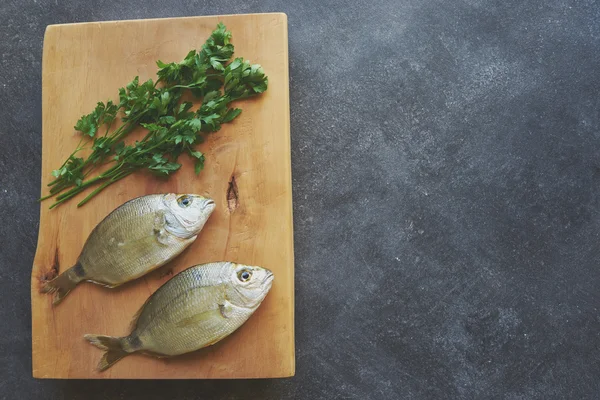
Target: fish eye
{"type": "Point", "coordinates": [244, 275]}
{"type": "Point", "coordinates": [184, 201]}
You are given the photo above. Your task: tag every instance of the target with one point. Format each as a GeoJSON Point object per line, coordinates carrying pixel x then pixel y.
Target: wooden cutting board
{"type": "Point", "coordinates": [85, 63]}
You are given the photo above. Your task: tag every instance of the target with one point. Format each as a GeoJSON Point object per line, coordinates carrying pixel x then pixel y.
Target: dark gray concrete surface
{"type": "Point", "coordinates": [446, 195]}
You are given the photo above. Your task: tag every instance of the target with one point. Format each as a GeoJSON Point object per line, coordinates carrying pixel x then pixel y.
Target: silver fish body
{"type": "Point", "coordinates": [136, 238]}
{"type": "Point", "coordinates": [196, 308]}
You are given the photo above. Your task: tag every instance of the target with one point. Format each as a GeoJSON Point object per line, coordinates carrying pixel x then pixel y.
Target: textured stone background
{"type": "Point", "coordinates": [446, 173]}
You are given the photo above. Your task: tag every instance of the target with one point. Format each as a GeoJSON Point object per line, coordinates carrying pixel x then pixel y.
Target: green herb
{"type": "Point", "coordinates": [173, 127]}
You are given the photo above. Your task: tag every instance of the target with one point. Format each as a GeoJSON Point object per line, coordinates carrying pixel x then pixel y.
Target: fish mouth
{"type": "Point", "coordinates": [195, 226]}
{"type": "Point", "coordinates": [270, 276]}
{"type": "Point", "coordinates": [208, 206]}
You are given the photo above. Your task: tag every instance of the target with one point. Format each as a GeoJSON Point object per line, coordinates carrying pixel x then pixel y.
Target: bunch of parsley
{"type": "Point", "coordinates": [173, 127]}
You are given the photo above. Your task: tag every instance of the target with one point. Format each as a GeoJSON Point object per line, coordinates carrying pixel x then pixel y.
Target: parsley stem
{"type": "Point", "coordinates": [92, 160]}
{"type": "Point", "coordinates": [100, 188]}
{"type": "Point", "coordinates": [89, 182]}
{"type": "Point", "coordinates": [107, 175]}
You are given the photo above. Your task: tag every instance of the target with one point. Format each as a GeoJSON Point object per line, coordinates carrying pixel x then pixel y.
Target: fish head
{"type": "Point", "coordinates": [248, 285]}
{"type": "Point", "coordinates": [187, 213]}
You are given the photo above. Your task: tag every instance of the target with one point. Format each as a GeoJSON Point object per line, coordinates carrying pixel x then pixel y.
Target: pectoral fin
{"type": "Point", "coordinates": [141, 244]}
{"type": "Point", "coordinates": [222, 312]}
{"type": "Point", "coordinates": [226, 309]}
{"type": "Point", "coordinates": [160, 223]}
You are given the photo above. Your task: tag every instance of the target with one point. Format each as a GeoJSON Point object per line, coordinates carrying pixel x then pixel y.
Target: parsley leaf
{"type": "Point", "coordinates": [102, 114]}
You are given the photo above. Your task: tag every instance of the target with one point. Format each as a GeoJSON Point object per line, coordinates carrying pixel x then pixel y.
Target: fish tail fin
{"type": "Point", "coordinates": [114, 347]}
{"type": "Point", "coordinates": [64, 283]}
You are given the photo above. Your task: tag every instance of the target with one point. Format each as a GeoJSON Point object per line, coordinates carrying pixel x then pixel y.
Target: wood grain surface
{"type": "Point", "coordinates": [85, 63]}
